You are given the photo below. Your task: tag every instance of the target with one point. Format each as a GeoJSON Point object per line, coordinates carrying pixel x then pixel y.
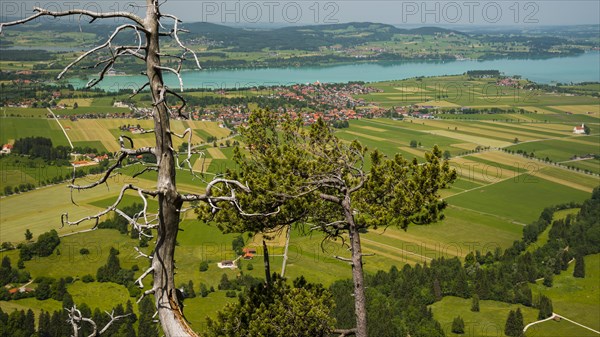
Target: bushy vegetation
{"type": "Point", "coordinates": [8, 274]}
{"type": "Point", "coordinates": [44, 246]}
{"type": "Point", "coordinates": [278, 310]}
{"type": "Point", "coordinates": [40, 147]}
{"type": "Point", "coordinates": [112, 271]}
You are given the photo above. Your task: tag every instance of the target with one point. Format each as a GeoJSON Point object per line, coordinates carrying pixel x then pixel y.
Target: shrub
{"type": "Point", "coordinates": [87, 278]}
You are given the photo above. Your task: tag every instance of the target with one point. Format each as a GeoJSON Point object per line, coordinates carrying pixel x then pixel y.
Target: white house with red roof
{"type": "Point", "coordinates": [579, 130]}
{"type": "Point", "coordinates": [6, 148]}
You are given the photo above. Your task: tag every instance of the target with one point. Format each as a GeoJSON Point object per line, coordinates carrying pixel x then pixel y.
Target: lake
{"type": "Point", "coordinates": [581, 68]}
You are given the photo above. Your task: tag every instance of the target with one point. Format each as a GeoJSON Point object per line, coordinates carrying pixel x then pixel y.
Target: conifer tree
{"type": "Point", "coordinates": [579, 270]}
{"type": "Point", "coordinates": [519, 324]}
{"type": "Point", "coordinates": [509, 327]}
{"type": "Point", "coordinates": [301, 174]}
{"type": "Point", "coordinates": [146, 327]}
{"type": "Point", "coordinates": [475, 303]}
{"type": "Point", "coordinates": [545, 307]}
{"type": "Point", "coordinates": [458, 325]}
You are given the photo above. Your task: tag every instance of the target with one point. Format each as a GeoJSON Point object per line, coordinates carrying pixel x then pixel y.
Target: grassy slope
{"type": "Point", "coordinates": [575, 298]}
{"type": "Point", "coordinates": [488, 322]}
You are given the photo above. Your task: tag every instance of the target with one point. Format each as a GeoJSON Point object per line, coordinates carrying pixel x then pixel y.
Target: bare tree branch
{"type": "Point", "coordinates": [102, 46]}
{"type": "Point", "coordinates": [76, 320]}
{"type": "Point", "coordinates": [176, 36]}
{"type": "Point", "coordinates": [345, 332]}
{"type": "Point", "coordinates": [174, 71]}
{"type": "Point", "coordinates": [113, 207]}
{"type": "Point", "coordinates": [93, 15]}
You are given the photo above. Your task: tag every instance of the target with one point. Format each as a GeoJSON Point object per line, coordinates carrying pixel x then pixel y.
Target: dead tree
{"type": "Point", "coordinates": [148, 32]}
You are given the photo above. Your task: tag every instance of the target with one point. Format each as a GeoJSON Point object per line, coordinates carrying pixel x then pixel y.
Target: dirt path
{"type": "Point", "coordinates": [555, 315]}
{"type": "Point", "coordinates": [63, 129]}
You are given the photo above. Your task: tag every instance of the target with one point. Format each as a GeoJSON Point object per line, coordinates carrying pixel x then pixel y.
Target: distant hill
{"type": "Point", "coordinates": [304, 37]}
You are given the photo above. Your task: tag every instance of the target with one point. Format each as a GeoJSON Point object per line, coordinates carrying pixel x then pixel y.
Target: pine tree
{"type": "Point", "coordinates": [191, 293]}
{"type": "Point", "coordinates": [60, 289]}
{"type": "Point", "coordinates": [29, 323]}
{"type": "Point", "coordinates": [475, 303]}
{"type": "Point", "coordinates": [44, 324]}
{"type": "Point", "coordinates": [548, 279]}
{"type": "Point", "coordinates": [458, 325]}
{"type": "Point", "coordinates": [437, 290]}
{"type": "Point", "coordinates": [545, 307]}
{"type": "Point", "coordinates": [462, 284]}
{"type": "Point", "coordinates": [56, 325]}
{"type": "Point", "coordinates": [519, 324]}
{"type": "Point", "coordinates": [132, 318]}
{"type": "Point", "coordinates": [6, 263]}
{"type": "Point", "coordinates": [203, 290]}
{"type": "Point", "coordinates": [579, 270]}
{"type": "Point", "coordinates": [146, 327]}
{"type": "Point", "coordinates": [509, 327]}
{"type": "Point", "coordinates": [43, 291]}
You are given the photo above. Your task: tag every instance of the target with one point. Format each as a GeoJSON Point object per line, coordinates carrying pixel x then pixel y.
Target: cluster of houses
{"type": "Point", "coordinates": [330, 102]}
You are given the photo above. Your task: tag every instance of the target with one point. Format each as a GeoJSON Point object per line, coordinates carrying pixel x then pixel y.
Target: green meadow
{"type": "Point", "coordinates": [495, 195]}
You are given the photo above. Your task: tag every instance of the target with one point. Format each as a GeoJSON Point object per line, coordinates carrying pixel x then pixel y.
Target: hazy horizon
{"type": "Point", "coordinates": [415, 13]}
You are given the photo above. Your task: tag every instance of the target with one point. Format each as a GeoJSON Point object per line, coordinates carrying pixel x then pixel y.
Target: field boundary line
{"type": "Point", "coordinates": [376, 243]}
{"type": "Point", "coordinates": [482, 186]}
{"type": "Point", "coordinates": [63, 129]}
{"type": "Point", "coordinates": [489, 214]}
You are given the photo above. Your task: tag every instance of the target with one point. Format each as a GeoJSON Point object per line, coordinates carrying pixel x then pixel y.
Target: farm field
{"type": "Point", "coordinates": [12, 128]}
{"type": "Point", "coordinates": [496, 194]}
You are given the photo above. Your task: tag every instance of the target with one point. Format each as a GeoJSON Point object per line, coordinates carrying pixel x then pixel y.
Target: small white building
{"type": "Point", "coordinates": [227, 264]}
{"type": "Point", "coordinates": [6, 148]}
{"type": "Point", "coordinates": [579, 130]}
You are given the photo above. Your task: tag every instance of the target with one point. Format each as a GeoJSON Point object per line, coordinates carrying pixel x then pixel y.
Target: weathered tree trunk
{"type": "Point", "coordinates": [168, 306]}
{"type": "Point", "coordinates": [360, 300]}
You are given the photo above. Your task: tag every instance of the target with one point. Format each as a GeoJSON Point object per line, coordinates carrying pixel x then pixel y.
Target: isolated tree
{"type": "Point", "coordinates": [579, 270]}
{"type": "Point", "coordinates": [509, 326]}
{"type": "Point", "coordinates": [308, 175]}
{"type": "Point", "coordinates": [28, 235]}
{"type": "Point", "coordinates": [458, 325]}
{"type": "Point", "coordinates": [147, 32]}
{"type": "Point", "coordinates": [475, 303]}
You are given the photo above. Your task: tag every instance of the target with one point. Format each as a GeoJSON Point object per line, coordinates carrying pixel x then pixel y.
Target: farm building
{"type": "Point", "coordinates": [579, 130]}
{"type": "Point", "coordinates": [6, 148]}
{"type": "Point", "coordinates": [249, 253]}
{"type": "Point", "coordinates": [226, 264]}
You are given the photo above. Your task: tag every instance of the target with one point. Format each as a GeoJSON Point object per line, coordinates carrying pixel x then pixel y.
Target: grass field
{"type": "Point", "coordinates": [574, 298]}
{"type": "Point", "coordinates": [488, 322]}
{"type": "Point", "coordinates": [15, 128]}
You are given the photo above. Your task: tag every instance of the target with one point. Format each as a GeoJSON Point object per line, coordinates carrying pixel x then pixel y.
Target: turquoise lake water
{"type": "Point", "coordinates": [581, 68]}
